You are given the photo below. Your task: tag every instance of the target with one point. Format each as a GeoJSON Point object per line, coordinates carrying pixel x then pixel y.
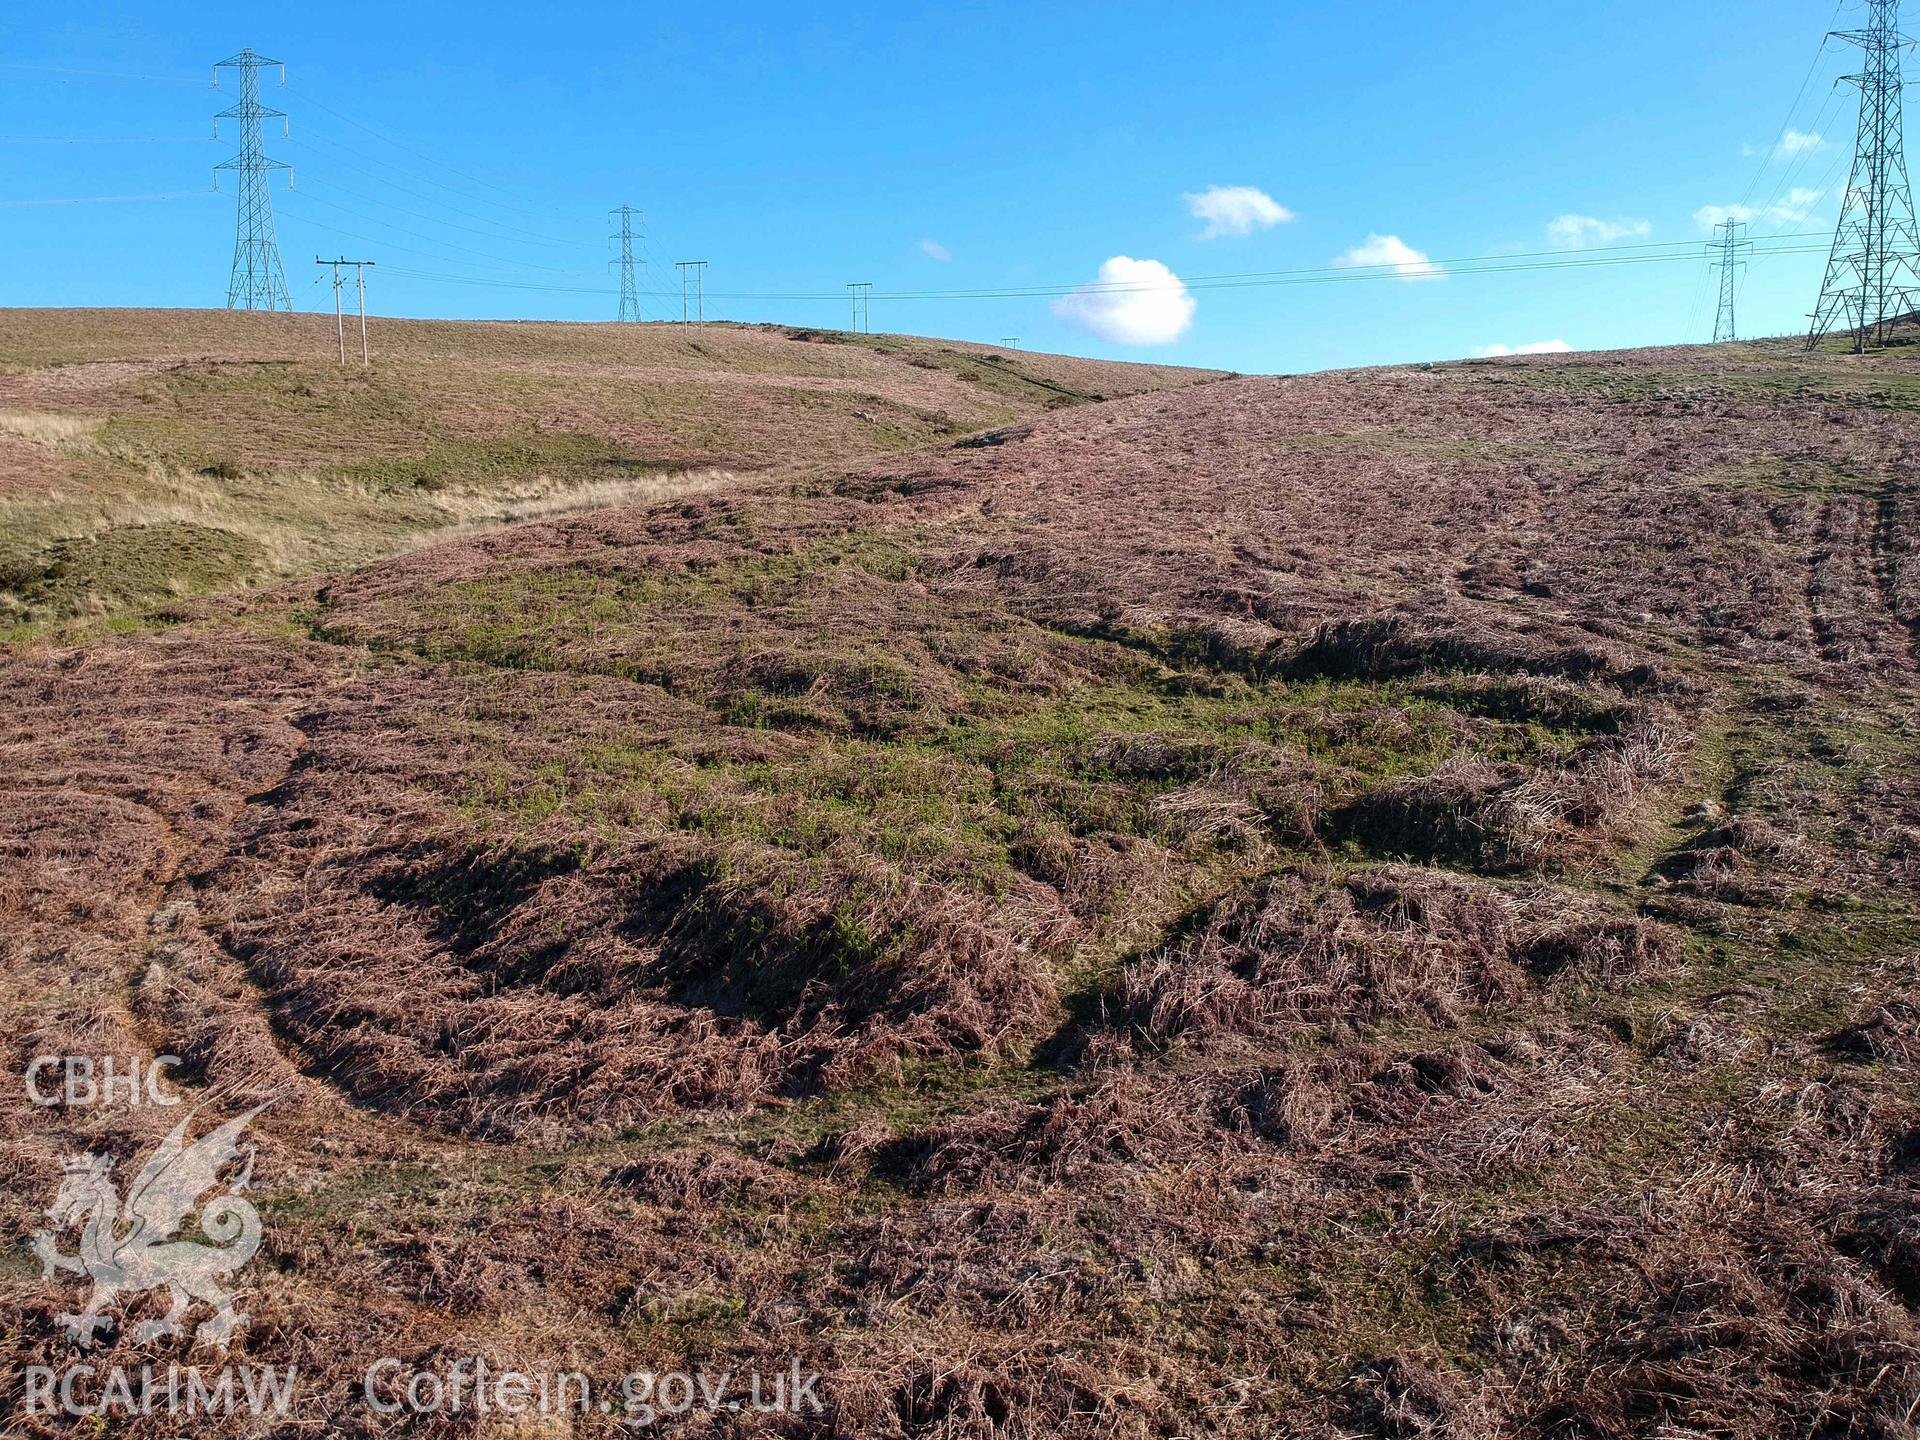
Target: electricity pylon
{"type": "Point", "coordinates": [258, 282]}
{"type": "Point", "coordinates": [629, 291]}
{"type": "Point", "coordinates": [1873, 274]}
{"type": "Point", "coordinates": [1730, 252]}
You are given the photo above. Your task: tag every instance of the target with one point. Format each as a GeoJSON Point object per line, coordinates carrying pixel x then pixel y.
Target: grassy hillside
{"type": "Point", "coordinates": [150, 454]}
{"type": "Point", "coordinates": [1372, 904]}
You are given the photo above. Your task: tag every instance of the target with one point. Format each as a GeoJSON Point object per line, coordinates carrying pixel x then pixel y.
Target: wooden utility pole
{"type": "Point", "coordinates": [339, 316]}
{"type": "Point", "coordinates": [339, 324]}
{"type": "Point", "coordinates": [360, 278]}
{"type": "Point", "coordinates": [698, 268]}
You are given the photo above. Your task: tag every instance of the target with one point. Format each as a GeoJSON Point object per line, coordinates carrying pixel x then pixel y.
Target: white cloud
{"type": "Point", "coordinates": [1584, 232]}
{"type": "Point", "coordinates": [1134, 302]}
{"type": "Point", "coordinates": [1790, 209]}
{"type": "Point", "coordinates": [1236, 210]}
{"type": "Point", "coordinates": [1792, 143]}
{"type": "Point", "coordinates": [1391, 250]}
{"type": "Point", "coordinates": [934, 250]}
{"type": "Point", "coordinates": [1542, 347]}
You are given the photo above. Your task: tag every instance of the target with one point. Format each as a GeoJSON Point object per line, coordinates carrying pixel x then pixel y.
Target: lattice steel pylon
{"type": "Point", "coordinates": [258, 282]}
{"type": "Point", "coordinates": [1873, 274]}
{"type": "Point", "coordinates": [629, 291]}
{"type": "Point", "coordinates": [1728, 252]}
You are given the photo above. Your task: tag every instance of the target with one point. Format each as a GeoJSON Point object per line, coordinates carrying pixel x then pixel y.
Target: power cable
{"type": "Point", "coordinates": [307, 197]}
{"type": "Point", "coordinates": [107, 139]}
{"type": "Point", "coordinates": [320, 145]}
{"type": "Point", "coordinates": [111, 199]}
{"type": "Point", "coordinates": [1220, 283]}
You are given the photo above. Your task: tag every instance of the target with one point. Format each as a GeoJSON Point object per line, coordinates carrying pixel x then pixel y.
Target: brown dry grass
{"type": "Point", "coordinates": [114, 422]}
{"type": "Point", "coordinates": [1360, 905]}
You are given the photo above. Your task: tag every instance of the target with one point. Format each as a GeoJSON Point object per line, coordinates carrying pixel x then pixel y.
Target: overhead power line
{"type": "Point", "coordinates": [1690, 254]}
{"type": "Point", "coordinates": [111, 199]}
{"type": "Point", "coordinates": [320, 141]}
{"type": "Point", "coordinates": [321, 144]}
{"type": "Point", "coordinates": [106, 139]}
{"type": "Point", "coordinates": [485, 283]}
{"type": "Point", "coordinates": [438, 164]}
{"type": "Point", "coordinates": [99, 74]}
{"type": "Point", "coordinates": [1779, 209]}
{"type": "Point", "coordinates": [1767, 155]}
{"type": "Point", "coordinates": [296, 212]}
{"type": "Point", "coordinates": [1598, 256]}
{"type": "Point", "coordinates": [446, 252]}
{"type": "Point", "coordinates": [309, 198]}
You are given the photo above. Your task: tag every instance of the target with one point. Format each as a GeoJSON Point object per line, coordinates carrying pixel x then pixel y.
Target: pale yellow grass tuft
{"type": "Point", "coordinates": [55, 432]}
{"type": "Point", "coordinates": [478, 513]}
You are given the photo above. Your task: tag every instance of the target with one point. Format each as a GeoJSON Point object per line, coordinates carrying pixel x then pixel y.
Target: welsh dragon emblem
{"type": "Point", "coordinates": [128, 1248]}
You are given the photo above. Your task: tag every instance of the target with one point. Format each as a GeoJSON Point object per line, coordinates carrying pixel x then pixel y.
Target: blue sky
{"type": "Point", "coordinates": [1027, 144]}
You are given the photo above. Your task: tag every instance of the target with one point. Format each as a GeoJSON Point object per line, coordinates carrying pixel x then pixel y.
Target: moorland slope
{"type": "Point", "coordinates": [1377, 903]}
{"type": "Point", "coordinates": [151, 454]}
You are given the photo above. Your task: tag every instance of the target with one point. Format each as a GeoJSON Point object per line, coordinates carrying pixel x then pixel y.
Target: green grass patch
{"type": "Point", "coordinates": [131, 565]}
{"type": "Point", "coordinates": [484, 464]}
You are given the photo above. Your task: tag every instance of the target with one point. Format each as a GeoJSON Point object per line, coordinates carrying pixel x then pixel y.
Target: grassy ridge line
{"type": "Point", "coordinates": [147, 455]}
